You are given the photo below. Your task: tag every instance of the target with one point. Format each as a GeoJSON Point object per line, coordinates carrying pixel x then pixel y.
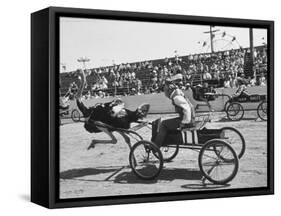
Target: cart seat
{"type": "Point", "coordinates": [192, 127]}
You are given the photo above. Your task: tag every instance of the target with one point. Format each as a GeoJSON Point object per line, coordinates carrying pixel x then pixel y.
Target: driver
{"type": "Point", "coordinates": [241, 90]}
{"type": "Point", "coordinates": [182, 106]}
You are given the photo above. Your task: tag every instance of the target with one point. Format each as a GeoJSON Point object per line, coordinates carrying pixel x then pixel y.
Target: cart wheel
{"type": "Point", "coordinates": [226, 105]}
{"type": "Point", "coordinates": [218, 162]}
{"type": "Point", "coordinates": [169, 152]}
{"type": "Point", "coordinates": [143, 161]}
{"type": "Point", "coordinates": [235, 139]}
{"type": "Point", "coordinates": [235, 112]}
{"type": "Point", "coordinates": [75, 115]}
{"type": "Point", "coordinates": [262, 110]}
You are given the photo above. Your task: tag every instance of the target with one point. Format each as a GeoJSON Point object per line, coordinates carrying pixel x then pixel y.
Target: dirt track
{"type": "Point", "coordinates": [104, 170]}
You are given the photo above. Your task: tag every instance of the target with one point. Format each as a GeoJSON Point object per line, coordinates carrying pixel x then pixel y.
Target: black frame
{"type": "Point", "coordinates": [44, 106]}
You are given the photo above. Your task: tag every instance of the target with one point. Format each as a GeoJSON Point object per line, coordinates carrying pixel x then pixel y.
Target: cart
{"type": "Point", "coordinates": [219, 152]}
{"type": "Point", "coordinates": [234, 105]}
{"type": "Point", "coordinates": [74, 114]}
{"type": "Point", "coordinates": [235, 110]}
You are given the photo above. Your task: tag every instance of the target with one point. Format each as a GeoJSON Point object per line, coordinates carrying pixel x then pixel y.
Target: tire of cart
{"type": "Point", "coordinates": [233, 137]}
{"type": "Point", "coordinates": [262, 110]}
{"type": "Point", "coordinates": [218, 161]}
{"type": "Point", "coordinates": [146, 160]}
{"type": "Point", "coordinates": [169, 152]}
{"type": "Point", "coordinates": [235, 111]}
{"type": "Point", "coordinates": [75, 115]}
{"type": "Point", "coordinates": [226, 106]}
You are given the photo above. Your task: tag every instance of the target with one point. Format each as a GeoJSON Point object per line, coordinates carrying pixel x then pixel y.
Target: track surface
{"type": "Point", "coordinates": [104, 170]}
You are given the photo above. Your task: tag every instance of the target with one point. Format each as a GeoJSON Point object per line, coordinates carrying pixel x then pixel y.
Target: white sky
{"type": "Point", "coordinates": [105, 41]}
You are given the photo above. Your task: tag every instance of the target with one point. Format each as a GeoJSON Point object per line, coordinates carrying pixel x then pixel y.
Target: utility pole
{"type": "Point", "coordinates": [251, 36]}
{"type": "Point", "coordinates": [211, 36]}
{"type": "Point", "coordinates": [83, 60]}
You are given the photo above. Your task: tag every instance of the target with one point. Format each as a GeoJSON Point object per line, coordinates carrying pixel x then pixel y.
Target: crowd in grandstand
{"type": "Point", "coordinates": [220, 69]}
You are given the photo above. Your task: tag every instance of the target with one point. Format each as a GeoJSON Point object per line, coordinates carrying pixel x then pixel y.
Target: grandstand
{"type": "Point", "coordinates": [146, 77]}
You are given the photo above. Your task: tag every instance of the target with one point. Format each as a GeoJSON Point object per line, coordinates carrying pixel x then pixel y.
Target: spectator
{"type": "Point", "coordinates": [253, 81]}
{"type": "Point", "coordinates": [223, 67]}
{"type": "Point", "coordinates": [207, 76]}
{"type": "Point", "coordinates": [262, 80]}
{"type": "Point", "coordinates": [227, 83]}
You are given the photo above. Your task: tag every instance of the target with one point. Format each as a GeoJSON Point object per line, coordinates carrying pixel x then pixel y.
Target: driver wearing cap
{"type": "Point", "coordinates": [242, 88]}
{"type": "Point", "coordinates": [182, 106]}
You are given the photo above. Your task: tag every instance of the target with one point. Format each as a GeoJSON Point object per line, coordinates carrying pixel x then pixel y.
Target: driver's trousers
{"type": "Point", "coordinates": [164, 128]}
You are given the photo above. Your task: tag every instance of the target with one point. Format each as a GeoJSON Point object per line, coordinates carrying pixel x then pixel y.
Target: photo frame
{"type": "Point", "coordinates": [75, 100]}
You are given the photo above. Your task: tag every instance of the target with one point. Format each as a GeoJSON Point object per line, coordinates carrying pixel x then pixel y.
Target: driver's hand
{"type": "Point", "coordinates": [182, 125]}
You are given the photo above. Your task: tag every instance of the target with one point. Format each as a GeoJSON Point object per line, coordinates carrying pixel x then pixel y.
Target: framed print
{"type": "Point", "coordinates": [138, 107]}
